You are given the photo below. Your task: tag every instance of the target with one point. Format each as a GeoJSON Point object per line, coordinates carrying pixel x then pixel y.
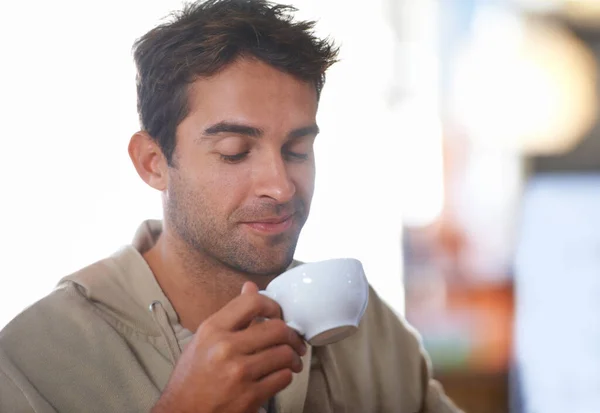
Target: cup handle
{"type": "Point", "coordinates": [290, 324]}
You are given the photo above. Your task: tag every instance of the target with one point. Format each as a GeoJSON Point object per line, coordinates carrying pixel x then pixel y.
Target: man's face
{"type": "Point", "coordinates": [243, 176]}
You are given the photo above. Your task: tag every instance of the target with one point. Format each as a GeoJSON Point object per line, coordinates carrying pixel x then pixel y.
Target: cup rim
{"type": "Point", "coordinates": [298, 268]}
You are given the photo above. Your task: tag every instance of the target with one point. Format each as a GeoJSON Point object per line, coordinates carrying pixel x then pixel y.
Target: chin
{"type": "Point", "coordinates": [271, 269]}
{"type": "Point", "coordinates": [268, 266]}
{"type": "Point", "coordinates": [258, 259]}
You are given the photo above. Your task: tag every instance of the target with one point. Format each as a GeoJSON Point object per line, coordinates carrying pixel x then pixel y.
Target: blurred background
{"type": "Point", "coordinates": [459, 160]}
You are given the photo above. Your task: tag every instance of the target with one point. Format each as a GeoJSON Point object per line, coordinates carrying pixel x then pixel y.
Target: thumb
{"type": "Point", "coordinates": [249, 288]}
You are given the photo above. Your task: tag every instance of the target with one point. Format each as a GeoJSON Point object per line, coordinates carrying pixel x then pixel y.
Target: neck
{"type": "Point", "coordinates": [197, 286]}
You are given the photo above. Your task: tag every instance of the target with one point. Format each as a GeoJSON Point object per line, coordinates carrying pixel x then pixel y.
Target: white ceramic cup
{"type": "Point", "coordinates": [323, 301]}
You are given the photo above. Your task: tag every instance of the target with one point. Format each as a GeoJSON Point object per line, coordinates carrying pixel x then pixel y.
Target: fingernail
{"type": "Point", "coordinates": [303, 349]}
{"type": "Point", "coordinates": [298, 365]}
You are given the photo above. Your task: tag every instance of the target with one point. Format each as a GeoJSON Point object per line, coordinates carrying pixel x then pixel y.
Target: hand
{"type": "Point", "coordinates": [234, 364]}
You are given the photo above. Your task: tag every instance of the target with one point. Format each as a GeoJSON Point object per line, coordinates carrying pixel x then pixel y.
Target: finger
{"type": "Point", "coordinates": [267, 334]}
{"type": "Point", "coordinates": [249, 287]}
{"type": "Point", "coordinates": [269, 361]}
{"type": "Point", "coordinates": [240, 311]}
{"type": "Point", "coordinates": [272, 384]}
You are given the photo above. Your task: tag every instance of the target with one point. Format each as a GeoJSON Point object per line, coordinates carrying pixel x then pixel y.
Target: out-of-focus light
{"type": "Point", "coordinates": [541, 6]}
{"type": "Point", "coordinates": [582, 11]}
{"type": "Point", "coordinates": [524, 85]}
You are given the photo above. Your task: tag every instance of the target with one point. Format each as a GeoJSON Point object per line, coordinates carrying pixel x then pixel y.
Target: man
{"type": "Point", "coordinates": [227, 97]}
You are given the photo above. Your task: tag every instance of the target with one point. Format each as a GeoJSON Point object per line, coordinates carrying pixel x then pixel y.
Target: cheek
{"type": "Point", "coordinates": [304, 178]}
{"type": "Point", "coordinates": [226, 186]}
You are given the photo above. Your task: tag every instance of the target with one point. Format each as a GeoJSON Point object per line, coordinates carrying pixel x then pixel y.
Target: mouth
{"type": "Point", "coordinates": [271, 225]}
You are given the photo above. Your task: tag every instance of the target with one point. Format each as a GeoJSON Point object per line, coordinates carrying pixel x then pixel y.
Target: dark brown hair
{"type": "Point", "coordinates": [203, 38]}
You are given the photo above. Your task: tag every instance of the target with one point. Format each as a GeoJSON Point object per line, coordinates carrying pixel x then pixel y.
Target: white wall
{"type": "Point", "coordinates": [67, 104]}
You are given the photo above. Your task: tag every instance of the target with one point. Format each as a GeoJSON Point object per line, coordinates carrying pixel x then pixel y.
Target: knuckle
{"type": "Point", "coordinates": [222, 351]}
{"type": "Point", "coordinates": [206, 329]}
{"type": "Point", "coordinates": [238, 371]}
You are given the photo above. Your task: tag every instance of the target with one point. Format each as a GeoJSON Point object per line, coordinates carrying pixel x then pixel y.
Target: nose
{"type": "Point", "coordinates": [273, 180]}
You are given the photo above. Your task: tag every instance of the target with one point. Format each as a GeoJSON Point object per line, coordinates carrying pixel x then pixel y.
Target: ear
{"type": "Point", "coordinates": [149, 161]}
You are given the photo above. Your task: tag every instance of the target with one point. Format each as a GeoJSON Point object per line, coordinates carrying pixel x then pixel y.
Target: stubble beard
{"type": "Point", "coordinates": [205, 243]}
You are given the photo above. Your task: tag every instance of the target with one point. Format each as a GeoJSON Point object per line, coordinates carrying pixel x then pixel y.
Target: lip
{"type": "Point", "coordinates": [274, 225]}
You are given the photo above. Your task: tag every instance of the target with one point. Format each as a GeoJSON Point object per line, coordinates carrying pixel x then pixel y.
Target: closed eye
{"type": "Point", "coordinates": [296, 155]}
{"type": "Point", "coordinates": [234, 158]}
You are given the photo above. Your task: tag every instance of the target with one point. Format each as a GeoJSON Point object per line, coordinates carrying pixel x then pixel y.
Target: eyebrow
{"type": "Point", "coordinates": [253, 132]}
{"type": "Point", "coordinates": [306, 131]}
{"type": "Point", "coordinates": [235, 128]}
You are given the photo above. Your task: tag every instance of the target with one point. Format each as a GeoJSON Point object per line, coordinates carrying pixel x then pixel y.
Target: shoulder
{"type": "Point", "coordinates": [384, 355]}
{"type": "Point", "coordinates": [63, 304]}
{"type": "Point", "coordinates": [65, 341]}
{"type": "Point", "coordinates": [39, 346]}
{"type": "Point", "coordinates": [51, 323]}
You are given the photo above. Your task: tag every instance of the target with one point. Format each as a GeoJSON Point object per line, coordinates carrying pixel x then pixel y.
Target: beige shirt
{"type": "Point", "coordinates": [107, 339]}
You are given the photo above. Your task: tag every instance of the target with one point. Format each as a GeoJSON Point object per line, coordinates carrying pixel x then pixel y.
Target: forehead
{"type": "Point", "coordinates": [252, 91]}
